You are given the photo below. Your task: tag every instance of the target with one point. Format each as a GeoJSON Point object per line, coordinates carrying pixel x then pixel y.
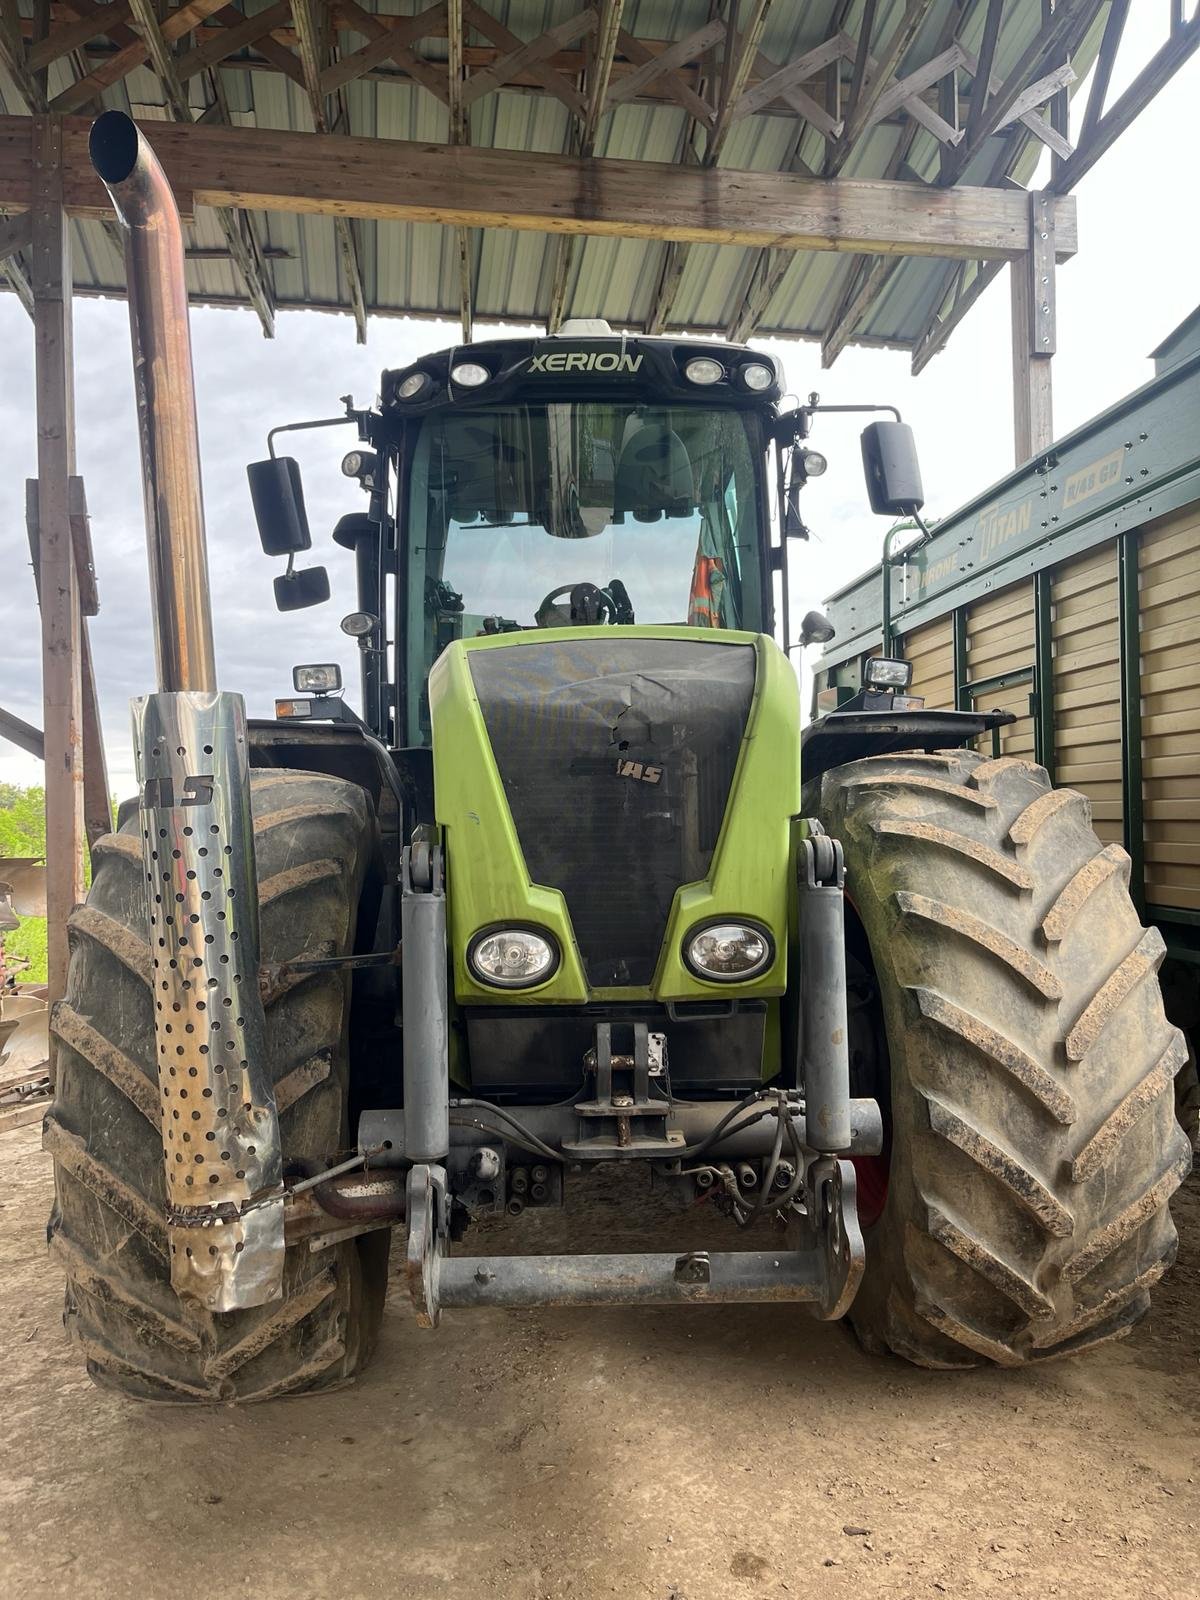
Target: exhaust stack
{"type": "Point", "coordinates": [220, 1128]}
{"type": "Point", "coordinates": [166, 401]}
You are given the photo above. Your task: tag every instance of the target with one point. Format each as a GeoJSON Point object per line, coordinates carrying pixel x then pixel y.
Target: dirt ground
{"type": "Point", "coordinates": [694, 1455]}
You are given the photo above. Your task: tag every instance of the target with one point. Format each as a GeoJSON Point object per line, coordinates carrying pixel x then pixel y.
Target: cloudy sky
{"type": "Point", "coordinates": [1133, 281]}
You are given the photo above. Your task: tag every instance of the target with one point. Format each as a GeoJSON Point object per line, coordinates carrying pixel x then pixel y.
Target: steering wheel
{"type": "Point", "coordinates": [589, 605]}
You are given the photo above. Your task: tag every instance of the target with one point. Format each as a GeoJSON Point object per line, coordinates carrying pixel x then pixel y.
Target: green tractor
{"type": "Point", "coordinates": [576, 894]}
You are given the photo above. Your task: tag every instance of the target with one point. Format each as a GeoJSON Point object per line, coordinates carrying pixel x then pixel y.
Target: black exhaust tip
{"type": "Point", "coordinates": [113, 146]}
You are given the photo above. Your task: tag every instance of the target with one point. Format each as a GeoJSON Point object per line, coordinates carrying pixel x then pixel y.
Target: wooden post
{"type": "Point", "coordinates": [61, 621]}
{"type": "Point", "coordinates": [1033, 333]}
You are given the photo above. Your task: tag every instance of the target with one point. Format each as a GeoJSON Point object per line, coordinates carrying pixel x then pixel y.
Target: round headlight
{"type": "Point", "coordinates": [416, 383]}
{"type": "Point", "coordinates": [358, 624]}
{"type": "Point", "coordinates": [469, 374]}
{"type": "Point", "coordinates": [704, 370]}
{"type": "Point", "coordinates": [728, 952]}
{"type": "Point", "coordinates": [512, 958]}
{"type": "Point", "coordinates": [757, 375]}
{"type": "Point", "coordinates": [814, 463]}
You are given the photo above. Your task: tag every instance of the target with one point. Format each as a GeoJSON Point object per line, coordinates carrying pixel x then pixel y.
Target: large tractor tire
{"type": "Point", "coordinates": [314, 840]}
{"type": "Point", "coordinates": [1022, 1055]}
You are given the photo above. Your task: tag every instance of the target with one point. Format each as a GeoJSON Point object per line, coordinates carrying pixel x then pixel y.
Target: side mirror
{"type": "Point", "coordinates": [816, 629]}
{"type": "Point", "coordinates": [295, 591]}
{"type": "Point", "coordinates": [892, 470]}
{"type": "Point", "coordinates": [278, 498]}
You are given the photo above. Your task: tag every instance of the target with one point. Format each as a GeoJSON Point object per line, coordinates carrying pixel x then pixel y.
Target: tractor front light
{"type": "Point", "coordinates": [469, 374]}
{"type": "Point", "coordinates": [512, 958]}
{"type": "Point", "coordinates": [728, 952]}
{"type": "Point", "coordinates": [325, 678]}
{"type": "Point", "coordinates": [885, 672]}
{"type": "Point", "coordinates": [757, 376]}
{"type": "Point", "coordinates": [704, 370]}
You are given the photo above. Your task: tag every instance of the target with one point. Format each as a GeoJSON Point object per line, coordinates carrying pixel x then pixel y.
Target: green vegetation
{"type": "Point", "coordinates": [23, 833]}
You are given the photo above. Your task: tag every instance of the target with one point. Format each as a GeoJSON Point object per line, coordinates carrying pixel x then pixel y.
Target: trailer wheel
{"type": "Point", "coordinates": [1028, 1066]}
{"type": "Point", "coordinates": [314, 840]}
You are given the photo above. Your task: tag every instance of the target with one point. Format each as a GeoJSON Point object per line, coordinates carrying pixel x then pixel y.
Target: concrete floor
{"type": "Point", "coordinates": [703, 1455]}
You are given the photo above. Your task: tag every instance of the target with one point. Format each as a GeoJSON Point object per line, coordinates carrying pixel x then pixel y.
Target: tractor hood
{"type": "Point", "coordinates": [616, 788]}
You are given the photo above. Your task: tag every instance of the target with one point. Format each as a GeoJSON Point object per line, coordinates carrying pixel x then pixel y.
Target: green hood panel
{"type": "Point", "coordinates": [743, 869]}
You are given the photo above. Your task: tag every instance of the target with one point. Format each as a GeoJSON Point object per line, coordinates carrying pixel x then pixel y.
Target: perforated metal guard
{"type": "Point", "coordinates": [220, 1128]}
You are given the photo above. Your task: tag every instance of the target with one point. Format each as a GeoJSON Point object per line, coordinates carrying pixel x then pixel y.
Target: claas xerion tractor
{"type": "Point", "coordinates": [575, 895]}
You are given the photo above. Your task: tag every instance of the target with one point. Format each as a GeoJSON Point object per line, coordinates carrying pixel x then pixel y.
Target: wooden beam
{"type": "Point", "coordinates": [491, 28]}
{"type": "Point", "coordinates": [238, 230]}
{"type": "Point", "coordinates": [599, 74]}
{"type": "Point", "coordinates": [14, 60]}
{"type": "Point", "coordinates": [741, 52]}
{"type": "Point", "coordinates": [1110, 44]}
{"type": "Point", "coordinates": [783, 82]}
{"type": "Point", "coordinates": [1045, 43]}
{"type": "Point", "coordinates": [60, 614]}
{"type": "Point", "coordinates": [222, 42]}
{"type": "Point", "coordinates": [97, 813]}
{"type": "Point", "coordinates": [600, 71]}
{"type": "Point", "coordinates": [21, 733]}
{"type": "Point", "coordinates": [134, 51]}
{"type": "Point", "coordinates": [460, 133]}
{"type": "Point", "coordinates": [16, 233]}
{"type": "Point", "coordinates": [336, 175]}
{"type": "Point", "coordinates": [876, 80]}
{"type": "Point", "coordinates": [1180, 46]}
{"type": "Point", "coordinates": [69, 36]}
{"type": "Point", "coordinates": [1032, 345]}
{"type": "Point", "coordinates": [675, 55]}
{"type": "Point", "coordinates": [860, 293]}
{"type": "Point", "coordinates": [311, 19]}
{"type": "Point", "coordinates": [981, 72]}
{"type": "Point", "coordinates": [15, 275]}
{"type": "Point", "coordinates": [388, 41]}
{"type": "Point", "coordinates": [672, 85]}
{"type": "Point", "coordinates": [526, 55]}
{"type": "Point", "coordinates": [769, 272]}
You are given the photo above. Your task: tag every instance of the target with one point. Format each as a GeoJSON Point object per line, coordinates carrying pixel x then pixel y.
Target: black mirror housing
{"type": "Point", "coordinates": [353, 528]}
{"type": "Point", "coordinates": [892, 470]}
{"type": "Point", "coordinates": [277, 495]}
{"type": "Point", "coordinates": [295, 591]}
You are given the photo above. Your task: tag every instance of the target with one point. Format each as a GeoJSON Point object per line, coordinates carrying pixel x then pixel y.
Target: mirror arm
{"type": "Point", "coordinates": [892, 558]}
{"type": "Point", "coordinates": [320, 422]}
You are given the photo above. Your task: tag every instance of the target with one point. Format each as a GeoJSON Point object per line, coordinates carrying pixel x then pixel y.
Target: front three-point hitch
{"type": "Point", "coordinates": [779, 1153]}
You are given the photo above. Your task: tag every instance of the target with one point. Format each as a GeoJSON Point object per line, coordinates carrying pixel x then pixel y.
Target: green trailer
{"type": "Point", "coordinates": [1068, 595]}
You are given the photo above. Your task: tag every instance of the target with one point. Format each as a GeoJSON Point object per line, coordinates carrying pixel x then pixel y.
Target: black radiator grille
{"type": "Point", "coordinates": [617, 758]}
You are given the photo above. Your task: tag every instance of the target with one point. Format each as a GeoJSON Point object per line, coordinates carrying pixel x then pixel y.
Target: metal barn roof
{"type": "Point", "coordinates": [853, 88]}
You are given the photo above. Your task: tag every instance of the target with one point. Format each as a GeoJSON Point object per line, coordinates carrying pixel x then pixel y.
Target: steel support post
{"type": "Point", "coordinates": [57, 578]}
{"type": "Point", "coordinates": [825, 1052]}
{"type": "Point", "coordinates": [425, 1005]}
{"type": "Point", "coordinates": [1033, 333]}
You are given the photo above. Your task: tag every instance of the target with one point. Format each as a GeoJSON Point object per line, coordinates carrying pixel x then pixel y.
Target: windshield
{"type": "Point", "coordinates": [553, 515]}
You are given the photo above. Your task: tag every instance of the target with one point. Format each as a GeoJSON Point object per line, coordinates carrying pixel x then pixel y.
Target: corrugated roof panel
{"type": "Point", "coordinates": [414, 267]}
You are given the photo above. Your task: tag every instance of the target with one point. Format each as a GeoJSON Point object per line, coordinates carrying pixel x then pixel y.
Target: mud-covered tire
{"type": "Point", "coordinates": [314, 842]}
{"type": "Point", "coordinates": [1187, 1098]}
{"type": "Point", "coordinates": [1033, 1141]}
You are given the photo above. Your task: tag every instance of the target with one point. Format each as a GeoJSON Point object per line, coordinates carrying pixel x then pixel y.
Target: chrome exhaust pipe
{"type": "Point", "coordinates": [166, 401]}
{"type": "Point", "coordinates": [220, 1127]}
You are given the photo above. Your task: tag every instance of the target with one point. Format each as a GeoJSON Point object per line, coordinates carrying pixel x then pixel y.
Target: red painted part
{"type": "Point", "coordinates": [872, 1175]}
